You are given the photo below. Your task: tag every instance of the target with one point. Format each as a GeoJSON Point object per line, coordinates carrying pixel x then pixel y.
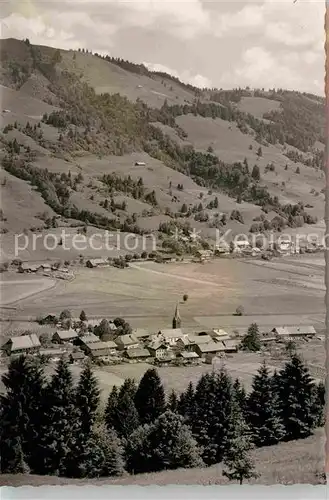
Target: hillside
{"type": "Point", "coordinates": [74, 124]}
{"type": "Point", "coordinates": [296, 462]}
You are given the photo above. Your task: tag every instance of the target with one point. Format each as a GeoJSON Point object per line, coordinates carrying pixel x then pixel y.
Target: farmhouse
{"type": "Point", "coordinates": [302, 331]}
{"type": "Point", "coordinates": [141, 334]}
{"type": "Point", "coordinates": [219, 334]}
{"type": "Point", "coordinates": [230, 345]}
{"type": "Point", "coordinates": [160, 350]}
{"type": "Point", "coordinates": [86, 339]}
{"type": "Point", "coordinates": [22, 345]}
{"type": "Point", "coordinates": [77, 356]}
{"type": "Point", "coordinates": [100, 350]}
{"type": "Point", "coordinates": [127, 342]}
{"type": "Point", "coordinates": [137, 353]}
{"type": "Point", "coordinates": [50, 319]}
{"type": "Point", "coordinates": [45, 266]}
{"type": "Point", "coordinates": [204, 255]}
{"type": "Point", "coordinates": [195, 340]}
{"type": "Point", "coordinates": [25, 267]}
{"type": "Point", "coordinates": [171, 335]}
{"type": "Point", "coordinates": [92, 263]}
{"type": "Point", "coordinates": [222, 248]}
{"type": "Point", "coordinates": [203, 349]}
{"type": "Point", "coordinates": [54, 354]}
{"type": "Point", "coordinates": [188, 357]}
{"type": "Point", "coordinates": [62, 336]}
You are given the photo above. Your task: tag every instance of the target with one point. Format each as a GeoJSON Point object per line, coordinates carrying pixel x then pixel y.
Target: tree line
{"type": "Point", "coordinates": [51, 426]}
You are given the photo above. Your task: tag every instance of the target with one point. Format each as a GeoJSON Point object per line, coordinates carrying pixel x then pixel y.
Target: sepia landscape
{"type": "Point", "coordinates": [162, 276]}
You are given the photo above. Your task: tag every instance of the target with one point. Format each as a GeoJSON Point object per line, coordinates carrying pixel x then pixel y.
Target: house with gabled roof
{"type": "Point", "coordinates": [160, 350]}
{"type": "Point", "coordinates": [127, 341]}
{"type": "Point", "coordinates": [172, 335]}
{"type": "Point", "coordinates": [25, 344]}
{"type": "Point", "coordinates": [300, 331]}
{"type": "Point", "coordinates": [86, 339]}
{"type": "Point", "coordinates": [141, 334]}
{"type": "Point", "coordinates": [137, 354]}
{"type": "Point", "coordinates": [92, 263]}
{"type": "Point", "coordinates": [62, 336]}
{"type": "Point", "coordinates": [97, 350]}
{"type": "Point", "coordinates": [213, 347]}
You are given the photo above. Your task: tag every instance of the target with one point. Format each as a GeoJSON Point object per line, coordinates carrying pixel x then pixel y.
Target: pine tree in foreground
{"type": "Point", "coordinates": [240, 395]}
{"type": "Point", "coordinates": [173, 401]}
{"type": "Point", "coordinates": [21, 411]}
{"type": "Point", "coordinates": [213, 423]}
{"type": "Point", "coordinates": [128, 387]}
{"type": "Point", "coordinates": [111, 405]}
{"type": "Point", "coordinates": [62, 420]}
{"type": "Point", "coordinates": [186, 404]}
{"type": "Point", "coordinates": [238, 464]}
{"type": "Point", "coordinates": [263, 410]}
{"type": "Point", "coordinates": [87, 401]}
{"type": "Point", "coordinates": [319, 392]}
{"type": "Point", "coordinates": [150, 397]}
{"type": "Point", "coordinates": [125, 417]}
{"type": "Point", "coordinates": [295, 392]}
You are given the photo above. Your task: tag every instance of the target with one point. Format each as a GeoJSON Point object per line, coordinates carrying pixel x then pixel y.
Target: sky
{"type": "Point", "coordinates": [224, 44]}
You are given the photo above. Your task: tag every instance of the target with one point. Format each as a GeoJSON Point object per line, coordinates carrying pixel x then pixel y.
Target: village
{"type": "Point", "coordinates": [254, 247]}
{"type": "Point", "coordinates": [109, 342]}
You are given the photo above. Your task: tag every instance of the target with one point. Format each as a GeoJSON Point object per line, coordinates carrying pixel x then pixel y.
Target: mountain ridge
{"type": "Point", "coordinates": [231, 144]}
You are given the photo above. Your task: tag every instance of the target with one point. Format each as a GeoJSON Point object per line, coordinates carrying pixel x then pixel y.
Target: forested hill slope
{"type": "Point", "coordinates": [203, 149]}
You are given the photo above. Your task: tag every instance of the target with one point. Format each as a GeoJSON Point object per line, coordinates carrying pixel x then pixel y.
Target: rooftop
{"type": "Point", "coordinates": [127, 339]}
{"type": "Point", "coordinates": [138, 353]}
{"type": "Point", "coordinates": [67, 334]}
{"type": "Point", "coordinates": [89, 338]}
{"type": "Point", "coordinates": [211, 347]}
{"type": "Point", "coordinates": [24, 342]}
{"type": "Point", "coordinates": [189, 355]}
{"type": "Point", "coordinates": [141, 332]}
{"type": "Point", "coordinates": [200, 339]}
{"type": "Point", "coordinates": [95, 346]}
{"type": "Point", "coordinates": [171, 333]}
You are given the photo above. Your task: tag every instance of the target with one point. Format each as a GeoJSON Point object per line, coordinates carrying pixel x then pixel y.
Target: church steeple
{"type": "Point", "coordinates": [176, 322]}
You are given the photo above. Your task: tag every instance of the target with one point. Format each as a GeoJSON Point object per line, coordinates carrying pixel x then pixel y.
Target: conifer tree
{"type": "Point", "coordinates": [112, 402]}
{"type": "Point", "coordinates": [173, 401]}
{"type": "Point", "coordinates": [61, 416]}
{"type": "Point", "coordinates": [319, 404]}
{"type": "Point", "coordinates": [150, 397]}
{"type": "Point", "coordinates": [237, 461]}
{"type": "Point", "coordinates": [251, 341]}
{"type": "Point", "coordinates": [263, 410]}
{"type": "Point", "coordinates": [295, 391]}
{"type": "Point", "coordinates": [255, 173]}
{"type": "Point", "coordinates": [214, 420]}
{"type": "Point", "coordinates": [186, 404]}
{"type": "Point", "coordinates": [240, 395]}
{"type": "Point", "coordinates": [125, 416]}
{"type": "Point", "coordinates": [21, 411]}
{"type": "Point", "coordinates": [83, 316]}
{"type": "Point", "coordinates": [87, 401]}
{"type": "Point", "coordinates": [128, 387]}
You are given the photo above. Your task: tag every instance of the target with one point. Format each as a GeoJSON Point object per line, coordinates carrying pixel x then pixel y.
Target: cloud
{"type": "Point", "coordinates": [184, 76]}
{"type": "Point", "coordinates": [260, 68]}
{"type": "Point", "coordinates": [265, 43]}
